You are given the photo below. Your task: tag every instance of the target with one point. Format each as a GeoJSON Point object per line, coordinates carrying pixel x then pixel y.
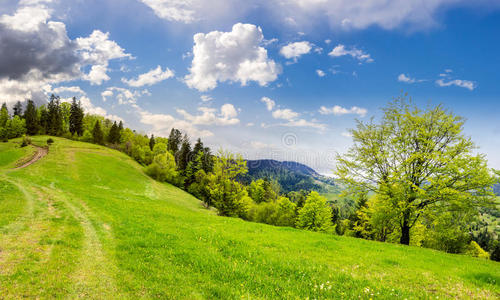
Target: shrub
{"type": "Point", "coordinates": [26, 141]}
{"type": "Point", "coordinates": [50, 141]}
{"type": "Point", "coordinates": [475, 250]}
{"type": "Point", "coordinates": [164, 169]}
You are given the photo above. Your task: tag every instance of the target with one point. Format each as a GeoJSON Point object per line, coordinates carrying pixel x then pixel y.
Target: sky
{"type": "Point", "coordinates": [279, 79]}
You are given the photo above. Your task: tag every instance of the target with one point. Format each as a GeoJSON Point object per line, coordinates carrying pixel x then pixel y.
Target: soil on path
{"type": "Point", "coordinates": [40, 153]}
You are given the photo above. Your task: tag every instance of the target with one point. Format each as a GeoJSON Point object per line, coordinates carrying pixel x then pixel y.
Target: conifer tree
{"type": "Point", "coordinates": [18, 109]}
{"type": "Point", "coordinates": [54, 121]}
{"type": "Point", "coordinates": [76, 118]}
{"type": "Point", "coordinates": [152, 142]}
{"type": "Point", "coordinates": [97, 134]}
{"type": "Point", "coordinates": [184, 155]}
{"type": "Point", "coordinates": [114, 134]}
{"type": "Point", "coordinates": [174, 141]}
{"type": "Point", "coordinates": [31, 118]}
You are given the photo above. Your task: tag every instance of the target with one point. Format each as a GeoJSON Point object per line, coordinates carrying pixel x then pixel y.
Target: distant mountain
{"type": "Point", "coordinates": [292, 176]}
{"type": "Point", "coordinates": [496, 189]}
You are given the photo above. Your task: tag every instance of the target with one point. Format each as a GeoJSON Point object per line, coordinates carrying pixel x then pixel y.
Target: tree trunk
{"type": "Point", "coordinates": [405, 233]}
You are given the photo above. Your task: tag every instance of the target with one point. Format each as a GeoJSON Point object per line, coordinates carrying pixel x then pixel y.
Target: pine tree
{"type": "Point", "coordinates": [4, 115]}
{"type": "Point", "coordinates": [31, 118]}
{"type": "Point", "coordinates": [184, 155]}
{"type": "Point", "coordinates": [18, 109]}
{"type": "Point", "coordinates": [114, 134]}
{"type": "Point", "coordinates": [54, 122]}
{"type": "Point", "coordinates": [152, 142]}
{"type": "Point", "coordinates": [76, 118]}
{"type": "Point", "coordinates": [97, 134]}
{"type": "Point", "coordinates": [174, 140]}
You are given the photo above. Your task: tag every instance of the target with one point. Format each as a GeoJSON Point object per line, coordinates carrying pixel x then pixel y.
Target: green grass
{"type": "Point", "coordinates": [85, 222]}
{"type": "Point", "coordinates": [11, 152]}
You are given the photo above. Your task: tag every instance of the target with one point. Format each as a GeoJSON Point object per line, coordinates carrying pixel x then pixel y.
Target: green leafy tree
{"type": "Point", "coordinates": [315, 215]}
{"type": "Point", "coordinates": [31, 117]}
{"type": "Point", "coordinates": [15, 127]}
{"type": "Point", "coordinates": [163, 168]}
{"type": "Point", "coordinates": [4, 115]}
{"type": "Point", "coordinates": [416, 159]}
{"type": "Point", "coordinates": [227, 195]}
{"type": "Point", "coordinates": [97, 134]}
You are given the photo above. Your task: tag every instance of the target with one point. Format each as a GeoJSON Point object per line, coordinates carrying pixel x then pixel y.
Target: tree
{"type": "Point", "coordinates": [184, 155]}
{"type": "Point", "coordinates": [227, 195]}
{"type": "Point", "coordinates": [416, 159]}
{"type": "Point", "coordinates": [54, 117]}
{"type": "Point", "coordinates": [152, 142]}
{"type": "Point", "coordinates": [18, 109]}
{"type": "Point", "coordinates": [97, 134]}
{"type": "Point", "coordinates": [31, 117]}
{"type": "Point", "coordinates": [76, 118]}
{"type": "Point", "coordinates": [163, 168]}
{"type": "Point", "coordinates": [174, 141]}
{"type": "Point", "coordinates": [114, 134]}
{"type": "Point", "coordinates": [315, 215]}
{"type": "Point", "coordinates": [4, 115]}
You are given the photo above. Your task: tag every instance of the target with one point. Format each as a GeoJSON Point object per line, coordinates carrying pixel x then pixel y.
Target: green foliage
{"type": "Point", "coordinates": [114, 134]}
{"type": "Point", "coordinates": [4, 115]}
{"type": "Point", "coordinates": [54, 119]}
{"type": "Point", "coordinates": [475, 250]}
{"type": "Point", "coordinates": [76, 118]}
{"type": "Point", "coordinates": [31, 117]}
{"type": "Point", "coordinates": [418, 160]}
{"type": "Point", "coordinates": [18, 109]}
{"type": "Point", "coordinates": [174, 141]}
{"type": "Point", "coordinates": [25, 141]}
{"type": "Point", "coordinates": [159, 148]}
{"type": "Point", "coordinates": [97, 134]}
{"type": "Point", "coordinates": [315, 215]}
{"type": "Point", "coordinates": [50, 141]}
{"type": "Point", "coordinates": [262, 190]}
{"type": "Point", "coordinates": [164, 169]}
{"type": "Point", "coordinates": [15, 127]}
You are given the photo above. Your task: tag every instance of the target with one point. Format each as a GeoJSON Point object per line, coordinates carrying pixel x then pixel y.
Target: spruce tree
{"type": "Point", "coordinates": [54, 122]}
{"type": "Point", "coordinates": [31, 118]}
{"type": "Point", "coordinates": [114, 134]}
{"type": "Point", "coordinates": [184, 155]}
{"type": "Point", "coordinates": [18, 109]}
{"type": "Point", "coordinates": [76, 118]}
{"type": "Point", "coordinates": [152, 142]}
{"type": "Point", "coordinates": [97, 134]}
{"type": "Point", "coordinates": [174, 141]}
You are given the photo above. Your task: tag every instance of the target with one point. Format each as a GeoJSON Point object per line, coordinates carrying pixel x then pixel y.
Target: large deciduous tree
{"type": "Point", "coordinates": [417, 160]}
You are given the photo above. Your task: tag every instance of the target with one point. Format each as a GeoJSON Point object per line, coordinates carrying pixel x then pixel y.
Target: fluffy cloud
{"type": "Point", "coordinates": [268, 102]}
{"type": "Point", "coordinates": [403, 78]}
{"type": "Point", "coordinates": [152, 77]}
{"type": "Point", "coordinates": [68, 89]}
{"type": "Point", "coordinates": [360, 55]}
{"type": "Point", "coordinates": [285, 114]}
{"type": "Point", "coordinates": [162, 124]}
{"type": "Point", "coordinates": [339, 111]}
{"type": "Point", "coordinates": [209, 116]}
{"type": "Point", "coordinates": [320, 73]}
{"type": "Point", "coordinates": [470, 85]}
{"type": "Point", "coordinates": [234, 56]}
{"type": "Point", "coordinates": [295, 50]}
{"type": "Point", "coordinates": [123, 95]}
{"type": "Point", "coordinates": [37, 52]}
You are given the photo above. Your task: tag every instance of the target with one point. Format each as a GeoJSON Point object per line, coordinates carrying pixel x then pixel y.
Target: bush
{"type": "Point", "coordinates": [50, 141]}
{"type": "Point", "coordinates": [26, 141]}
{"type": "Point", "coordinates": [473, 249]}
{"type": "Point", "coordinates": [164, 169]}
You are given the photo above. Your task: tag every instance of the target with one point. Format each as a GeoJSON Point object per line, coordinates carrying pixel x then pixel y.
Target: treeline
{"type": "Point", "coordinates": [212, 178]}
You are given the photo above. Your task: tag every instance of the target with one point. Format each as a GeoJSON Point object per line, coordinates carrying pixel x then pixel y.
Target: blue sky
{"type": "Point", "coordinates": [205, 66]}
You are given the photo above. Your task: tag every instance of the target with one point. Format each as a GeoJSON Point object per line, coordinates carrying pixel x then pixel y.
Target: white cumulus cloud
{"type": "Point", "coordinates": [152, 77]}
{"type": "Point", "coordinates": [234, 56]}
{"type": "Point", "coordinates": [268, 102]}
{"type": "Point", "coordinates": [338, 110]}
{"type": "Point", "coordinates": [360, 55]}
{"type": "Point", "coordinates": [295, 50]}
{"type": "Point", "coordinates": [470, 85]}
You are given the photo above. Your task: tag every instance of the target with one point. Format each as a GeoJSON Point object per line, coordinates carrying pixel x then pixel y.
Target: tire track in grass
{"type": "Point", "coordinates": [93, 277]}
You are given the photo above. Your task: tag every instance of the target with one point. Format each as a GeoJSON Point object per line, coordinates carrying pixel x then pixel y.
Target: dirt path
{"type": "Point", "coordinates": [40, 153]}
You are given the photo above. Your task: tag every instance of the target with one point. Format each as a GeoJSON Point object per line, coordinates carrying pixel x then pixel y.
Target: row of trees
{"type": "Point", "coordinates": [211, 178]}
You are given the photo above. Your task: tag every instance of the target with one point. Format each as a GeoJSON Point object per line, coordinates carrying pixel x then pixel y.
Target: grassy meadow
{"type": "Point", "coordinates": [86, 222]}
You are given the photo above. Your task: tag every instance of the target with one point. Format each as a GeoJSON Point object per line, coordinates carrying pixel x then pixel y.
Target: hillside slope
{"type": "Point", "coordinates": [85, 222]}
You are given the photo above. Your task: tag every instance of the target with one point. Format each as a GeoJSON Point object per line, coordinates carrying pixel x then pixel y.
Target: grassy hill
{"type": "Point", "coordinates": [84, 221]}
